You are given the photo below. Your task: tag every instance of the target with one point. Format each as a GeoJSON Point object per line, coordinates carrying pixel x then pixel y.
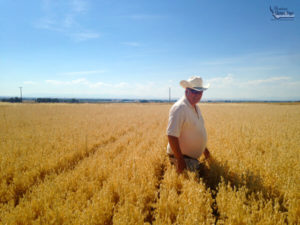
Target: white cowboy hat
{"type": "Point", "coordinates": [194, 83]}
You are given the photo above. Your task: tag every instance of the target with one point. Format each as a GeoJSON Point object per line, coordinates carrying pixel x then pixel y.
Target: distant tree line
{"type": "Point", "coordinates": [42, 100]}
{"type": "Point", "coordinates": [15, 99]}
{"type": "Point", "coordinates": [52, 100]}
{"type": "Point", "coordinates": [55, 100]}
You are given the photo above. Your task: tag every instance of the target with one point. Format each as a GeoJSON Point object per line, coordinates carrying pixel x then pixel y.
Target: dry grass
{"type": "Point", "coordinates": [106, 164]}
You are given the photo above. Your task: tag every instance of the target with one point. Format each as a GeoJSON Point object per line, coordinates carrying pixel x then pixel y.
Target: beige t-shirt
{"type": "Point", "coordinates": [188, 125]}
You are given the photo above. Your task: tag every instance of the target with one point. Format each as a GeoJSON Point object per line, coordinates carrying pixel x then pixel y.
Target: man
{"type": "Point", "coordinates": [186, 131]}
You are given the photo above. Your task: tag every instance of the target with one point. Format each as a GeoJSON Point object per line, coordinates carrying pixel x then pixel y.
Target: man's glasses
{"type": "Point", "coordinates": [194, 91]}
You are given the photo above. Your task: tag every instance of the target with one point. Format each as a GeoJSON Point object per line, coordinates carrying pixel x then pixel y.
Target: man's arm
{"type": "Point", "coordinates": [174, 143]}
{"type": "Point", "coordinates": [206, 153]}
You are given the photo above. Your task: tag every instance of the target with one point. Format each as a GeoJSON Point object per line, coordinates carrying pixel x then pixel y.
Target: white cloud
{"type": "Point", "coordinates": [54, 82]}
{"type": "Point", "coordinates": [268, 80]}
{"type": "Point", "coordinates": [123, 89]}
{"type": "Point", "coordinates": [48, 24]}
{"type": "Point", "coordinates": [229, 81]}
{"type": "Point", "coordinates": [62, 17]}
{"type": "Point", "coordinates": [221, 81]}
{"type": "Point", "coordinates": [226, 87]}
{"type": "Point", "coordinates": [68, 21]}
{"type": "Point", "coordinates": [80, 81]}
{"type": "Point", "coordinates": [121, 85]}
{"type": "Point", "coordinates": [97, 85]}
{"type": "Point", "coordinates": [237, 87]}
{"type": "Point", "coordinates": [294, 84]}
{"type": "Point", "coordinates": [83, 36]}
{"type": "Point", "coordinates": [133, 44]}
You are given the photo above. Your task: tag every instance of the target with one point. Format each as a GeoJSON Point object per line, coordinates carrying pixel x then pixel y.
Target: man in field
{"type": "Point", "coordinates": [186, 131]}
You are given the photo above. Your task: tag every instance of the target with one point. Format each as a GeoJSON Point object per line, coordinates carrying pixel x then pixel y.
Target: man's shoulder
{"type": "Point", "coordinates": [179, 105]}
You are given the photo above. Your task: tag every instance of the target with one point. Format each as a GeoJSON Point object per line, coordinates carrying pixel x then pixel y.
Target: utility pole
{"type": "Point", "coordinates": [21, 93]}
{"type": "Point", "coordinates": [169, 94]}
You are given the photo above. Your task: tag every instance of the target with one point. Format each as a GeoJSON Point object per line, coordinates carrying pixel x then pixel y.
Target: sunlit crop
{"type": "Point", "coordinates": [106, 164]}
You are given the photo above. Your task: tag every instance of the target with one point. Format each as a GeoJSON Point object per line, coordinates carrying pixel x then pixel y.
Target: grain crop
{"type": "Point", "coordinates": [107, 164]}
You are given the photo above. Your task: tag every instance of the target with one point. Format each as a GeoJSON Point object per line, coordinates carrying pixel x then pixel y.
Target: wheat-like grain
{"type": "Point", "coordinates": [107, 164]}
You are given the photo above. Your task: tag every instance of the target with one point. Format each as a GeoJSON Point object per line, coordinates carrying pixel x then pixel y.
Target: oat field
{"type": "Point", "coordinates": [106, 164]}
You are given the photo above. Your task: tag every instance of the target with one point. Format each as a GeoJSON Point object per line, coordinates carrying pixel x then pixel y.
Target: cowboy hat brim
{"type": "Point", "coordinates": [185, 84]}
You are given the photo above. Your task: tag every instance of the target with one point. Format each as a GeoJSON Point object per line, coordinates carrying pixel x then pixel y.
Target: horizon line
{"type": "Point", "coordinates": [161, 99]}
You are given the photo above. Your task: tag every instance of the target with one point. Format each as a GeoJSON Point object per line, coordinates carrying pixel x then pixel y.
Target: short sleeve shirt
{"type": "Point", "coordinates": [187, 124]}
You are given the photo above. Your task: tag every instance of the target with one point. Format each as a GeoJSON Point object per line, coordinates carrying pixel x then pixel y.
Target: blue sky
{"type": "Point", "coordinates": [140, 48]}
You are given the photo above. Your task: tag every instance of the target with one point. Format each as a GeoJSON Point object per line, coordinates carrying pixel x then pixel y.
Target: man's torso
{"type": "Point", "coordinates": [186, 123]}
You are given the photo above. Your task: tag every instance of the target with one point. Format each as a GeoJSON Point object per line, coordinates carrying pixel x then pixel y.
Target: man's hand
{"type": "Point", "coordinates": [206, 153]}
{"type": "Point", "coordinates": [180, 165]}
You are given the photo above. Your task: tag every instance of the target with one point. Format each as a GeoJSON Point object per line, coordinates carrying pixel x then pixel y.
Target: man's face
{"type": "Point", "coordinates": [193, 96]}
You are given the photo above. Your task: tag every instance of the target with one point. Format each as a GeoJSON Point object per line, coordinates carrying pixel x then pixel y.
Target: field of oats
{"type": "Point", "coordinates": [106, 164]}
